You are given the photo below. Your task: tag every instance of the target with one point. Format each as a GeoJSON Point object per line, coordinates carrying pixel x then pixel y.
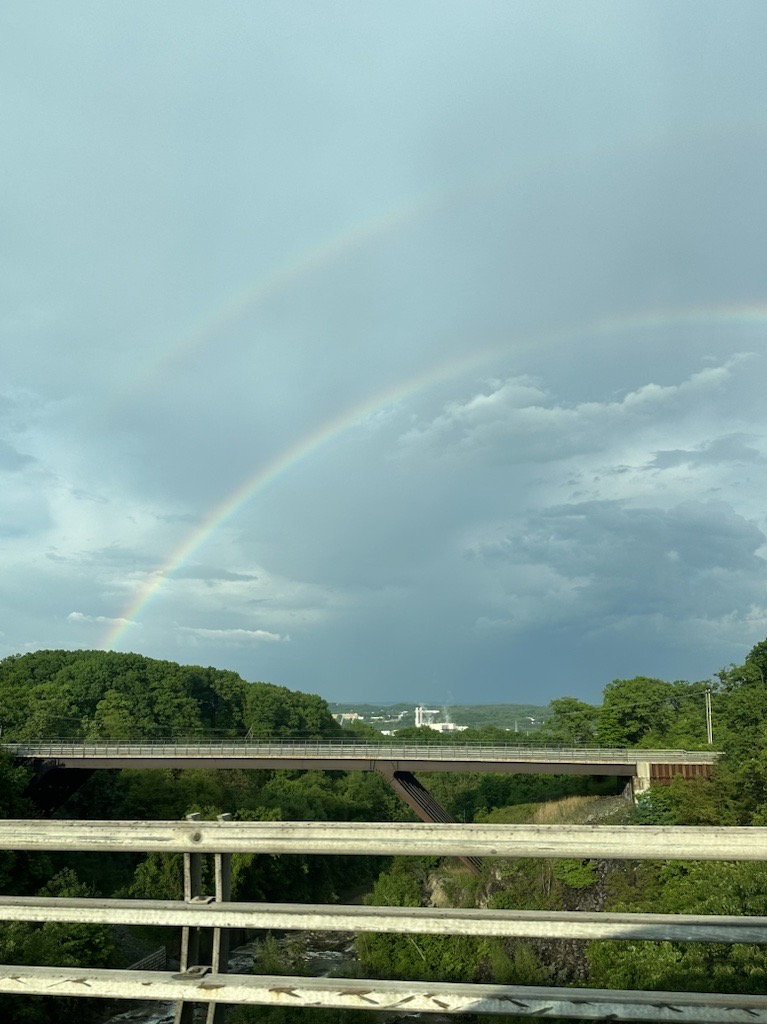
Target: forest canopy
{"type": "Point", "coordinates": [100, 695]}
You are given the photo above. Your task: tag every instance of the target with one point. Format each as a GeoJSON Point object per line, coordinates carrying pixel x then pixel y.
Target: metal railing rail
{"type": "Point", "coordinates": [411, 997]}
{"type": "Point", "coordinates": [613, 842]}
{"type": "Point", "coordinates": [199, 984]}
{"type": "Point", "coordinates": [529, 924]}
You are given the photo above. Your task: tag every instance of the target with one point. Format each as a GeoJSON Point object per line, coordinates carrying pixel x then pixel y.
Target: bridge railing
{"type": "Point", "coordinates": [349, 751]}
{"type": "Point", "coordinates": [198, 984]}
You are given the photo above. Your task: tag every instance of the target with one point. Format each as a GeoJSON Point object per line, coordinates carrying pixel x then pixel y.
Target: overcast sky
{"type": "Point", "coordinates": [386, 350]}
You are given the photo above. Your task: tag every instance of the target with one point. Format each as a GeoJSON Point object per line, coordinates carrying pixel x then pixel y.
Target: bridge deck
{"type": "Point", "coordinates": [356, 756]}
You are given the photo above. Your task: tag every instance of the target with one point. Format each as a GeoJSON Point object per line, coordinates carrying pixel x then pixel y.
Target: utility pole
{"type": "Point", "coordinates": [709, 724]}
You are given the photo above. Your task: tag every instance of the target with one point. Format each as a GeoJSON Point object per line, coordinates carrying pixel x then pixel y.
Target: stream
{"type": "Point", "coordinates": [319, 953]}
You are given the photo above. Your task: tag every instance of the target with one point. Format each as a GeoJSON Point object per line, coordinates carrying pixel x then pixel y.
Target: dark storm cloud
{"type": "Point", "coordinates": [695, 558]}
{"type": "Point", "coordinates": [732, 448]}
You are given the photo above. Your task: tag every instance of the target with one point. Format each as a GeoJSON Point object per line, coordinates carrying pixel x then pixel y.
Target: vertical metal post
{"type": "Point", "coordinates": [222, 863]}
{"type": "Point", "coordinates": [709, 723]}
{"type": "Point", "coordinates": [190, 937]}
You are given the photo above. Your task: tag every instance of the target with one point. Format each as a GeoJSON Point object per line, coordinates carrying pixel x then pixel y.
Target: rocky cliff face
{"type": "Point", "coordinates": [538, 885]}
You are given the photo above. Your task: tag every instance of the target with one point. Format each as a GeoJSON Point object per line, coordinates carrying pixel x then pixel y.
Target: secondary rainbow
{"type": "Point", "coordinates": [357, 234]}
{"type": "Point", "coordinates": [275, 280]}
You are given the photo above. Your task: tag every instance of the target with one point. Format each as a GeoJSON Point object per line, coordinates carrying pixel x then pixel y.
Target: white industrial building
{"type": "Point", "coordinates": [424, 717]}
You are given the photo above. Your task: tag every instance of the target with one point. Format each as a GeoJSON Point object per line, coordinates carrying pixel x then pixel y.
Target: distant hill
{"type": "Point", "coordinates": [111, 695]}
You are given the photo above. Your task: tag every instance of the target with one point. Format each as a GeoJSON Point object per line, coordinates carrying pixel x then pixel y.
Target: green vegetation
{"type": "Point", "coordinates": [102, 695]}
{"type": "Point", "coordinates": [639, 712]}
{"type": "Point", "coordinates": [99, 695]}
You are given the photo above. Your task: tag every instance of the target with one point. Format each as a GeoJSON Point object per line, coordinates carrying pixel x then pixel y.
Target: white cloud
{"type": "Point", "coordinates": [105, 620]}
{"type": "Point", "coordinates": [234, 635]}
{"type": "Point", "coordinates": [517, 420]}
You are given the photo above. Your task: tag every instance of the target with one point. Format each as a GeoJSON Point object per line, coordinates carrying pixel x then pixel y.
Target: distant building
{"type": "Point", "coordinates": [348, 716]}
{"type": "Point", "coordinates": [424, 717]}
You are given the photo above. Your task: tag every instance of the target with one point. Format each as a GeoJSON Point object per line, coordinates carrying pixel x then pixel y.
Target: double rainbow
{"type": "Point", "coordinates": [749, 315]}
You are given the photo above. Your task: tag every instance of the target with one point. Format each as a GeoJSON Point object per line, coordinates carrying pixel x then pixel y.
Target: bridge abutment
{"type": "Point", "coordinates": [640, 783]}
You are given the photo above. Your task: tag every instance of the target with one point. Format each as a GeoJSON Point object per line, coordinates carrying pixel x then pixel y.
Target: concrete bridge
{"type": "Point", "coordinates": [642, 765]}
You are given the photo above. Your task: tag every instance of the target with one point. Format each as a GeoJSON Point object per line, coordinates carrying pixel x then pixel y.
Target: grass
{"type": "Point", "coordinates": [569, 810]}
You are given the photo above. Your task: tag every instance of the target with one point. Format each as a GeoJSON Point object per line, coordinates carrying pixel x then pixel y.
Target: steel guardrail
{"type": "Point", "coordinates": [413, 997]}
{"type": "Point", "coordinates": [197, 984]}
{"type": "Point", "coordinates": [364, 838]}
{"type": "Point", "coordinates": [529, 924]}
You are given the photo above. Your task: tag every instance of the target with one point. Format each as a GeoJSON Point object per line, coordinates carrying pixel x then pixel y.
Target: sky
{"type": "Point", "coordinates": [386, 351]}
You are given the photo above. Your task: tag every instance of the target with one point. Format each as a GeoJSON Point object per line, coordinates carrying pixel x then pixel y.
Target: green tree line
{"type": "Point", "coordinates": [105, 695]}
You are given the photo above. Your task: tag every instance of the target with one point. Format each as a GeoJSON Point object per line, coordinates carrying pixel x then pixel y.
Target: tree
{"type": "Point", "coordinates": [632, 708]}
{"type": "Point", "coordinates": [572, 723]}
{"type": "Point", "coordinates": [274, 711]}
{"type": "Point", "coordinates": [757, 658]}
{"type": "Point", "coordinates": [57, 944]}
{"type": "Point", "coordinates": [113, 719]}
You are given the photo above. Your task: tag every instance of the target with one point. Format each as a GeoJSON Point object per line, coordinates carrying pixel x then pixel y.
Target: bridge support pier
{"type": "Point", "coordinates": [419, 799]}
{"type": "Point", "coordinates": [663, 774]}
{"type": "Point", "coordinates": [53, 784]}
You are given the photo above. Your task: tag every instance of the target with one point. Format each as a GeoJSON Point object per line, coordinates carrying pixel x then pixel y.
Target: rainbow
{"type": "Point", "coordinates": [276, 280]}
{"type": "Point", "coordinates": [235, 308]}
{"type": "Point", "coordinates": [268, 473]}
{"type": "Point", "coordinates": [744, 315]}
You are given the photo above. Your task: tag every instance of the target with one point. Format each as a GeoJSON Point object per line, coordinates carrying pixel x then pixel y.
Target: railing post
{"type": "Point", "coordinates": [220, 961]}
{"type": "Point", "coordinates": [190, 937]}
